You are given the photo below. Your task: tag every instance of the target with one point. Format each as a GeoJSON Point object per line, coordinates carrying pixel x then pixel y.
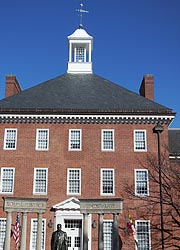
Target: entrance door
{"type": "Point", "coordinates": [73, 229]}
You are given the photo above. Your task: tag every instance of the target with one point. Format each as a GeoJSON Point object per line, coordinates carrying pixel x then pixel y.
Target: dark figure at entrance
{"type": "Point", "coordinates": [59, 239]}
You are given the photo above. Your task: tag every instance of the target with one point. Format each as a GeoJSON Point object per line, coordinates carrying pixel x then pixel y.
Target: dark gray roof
{"type": "Point", "coordinates": [80, 93]}
{"type": "Point", "coordinates": [174, 142]}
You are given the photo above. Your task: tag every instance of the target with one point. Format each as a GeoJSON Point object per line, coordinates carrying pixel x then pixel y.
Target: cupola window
{"type": "Point", "coordinates": [80, 54]}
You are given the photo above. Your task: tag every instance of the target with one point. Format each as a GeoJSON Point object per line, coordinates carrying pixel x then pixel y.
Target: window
{"type": "Point", "coordinates": [2, 232]}
{"type": "Point", "coordinates": [107, 181]}
{"type": "Point", "coordinates": [107, 143]}
{"type": "Point", "coordinates": [7, 180]}
{"type": "Point", "coordinates": [74, 181]}
{"type": "Point", "coordinates": [75, 139]}
{"type": "Point", "coordinates": [80, 52]}
{"type": "Point", "coordinates": [140, 140]}
{"type": "Point", "coordinates": [141, 182]}
{"type": "Point", "coordinates": [10, 139]}
{"type": "Point", "coordinates": [40, 180]}
{"type": "Point", "coordinates": [42, 139]}
{"type": "Point", "coordinates": [33, 239]}
{"type": "Point", "coordinates": [143, 235]}
{"type": "Point", "coordinates": [107, 234]}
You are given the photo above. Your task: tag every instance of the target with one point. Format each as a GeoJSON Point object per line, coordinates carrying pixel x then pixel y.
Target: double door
{"type": "Point", "coordinates": [73, 229]}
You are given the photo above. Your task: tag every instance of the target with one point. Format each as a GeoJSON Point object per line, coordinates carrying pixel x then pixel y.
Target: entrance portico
{"type": "Point", "coordinates": [67, 213]}
{"type": "Point", "coordinates": [76, 219]}
{"type": "Point", "coordinates": [24, 206]}
{"type": "Point", "coordinates": [101, 207]}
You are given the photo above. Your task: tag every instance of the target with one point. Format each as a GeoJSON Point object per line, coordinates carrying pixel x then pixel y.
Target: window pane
{"type": "Point", "coordinates": [107, 182]}
{"type": "Point", "coordinates": [80, 54]}
{"type": "Point", "coordinates": [42, 141]}
{"type": "Point", "coordinates": [142, 182]}
{"type": "Point", "coordinates": [40, 180]}
{"type": "Point", "coordinates": [108, 143]}
{"type": "Point", "coordinates": [74, 181]}
{"type": "Point", "coordinates": [107, 234]}
{"type": "Point", "coordinates": [10, 139]}
{"type": "Point", "coordinates": [143, 235]}
{"type": "Point", "coordinates": [34, 235]}
{"type": "Point", "coordinates": [2, 232]}
{"type": "Point", "coordinates": [7, 180]}
{"type": "Point", "coordinates": [140, 140]}
{"type": "Point", "coordinates": [75, 139]}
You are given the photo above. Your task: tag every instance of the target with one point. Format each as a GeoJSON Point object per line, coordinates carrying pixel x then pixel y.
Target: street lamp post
{"type": "Point", "coordinates": [158, 129]}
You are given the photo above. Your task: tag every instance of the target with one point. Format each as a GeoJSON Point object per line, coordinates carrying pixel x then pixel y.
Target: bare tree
{"type": "Point", "coordinates": [149, 206]}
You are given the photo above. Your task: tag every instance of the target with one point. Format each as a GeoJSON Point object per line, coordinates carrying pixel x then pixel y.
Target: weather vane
{"type": "Point", "coordinates": [81, 11]}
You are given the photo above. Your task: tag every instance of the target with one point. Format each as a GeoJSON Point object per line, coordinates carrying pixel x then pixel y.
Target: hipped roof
{"type": "Point", "coordinates": [80, 93]}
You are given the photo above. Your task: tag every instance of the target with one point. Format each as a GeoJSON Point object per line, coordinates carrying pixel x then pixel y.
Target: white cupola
{"type": "Point", "coordinates": [80, 52]}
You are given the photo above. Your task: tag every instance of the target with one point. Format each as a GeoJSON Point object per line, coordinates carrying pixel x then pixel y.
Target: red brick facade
{"type": "Point", "coordinates": [90, 160]}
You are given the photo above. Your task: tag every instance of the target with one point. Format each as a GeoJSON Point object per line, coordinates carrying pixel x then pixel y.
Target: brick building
{"type": "Point", "coordinates": [76, 137]}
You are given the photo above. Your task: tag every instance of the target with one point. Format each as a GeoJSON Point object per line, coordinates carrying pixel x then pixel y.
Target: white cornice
{"type": "Point", "coordinates": [111, 119]}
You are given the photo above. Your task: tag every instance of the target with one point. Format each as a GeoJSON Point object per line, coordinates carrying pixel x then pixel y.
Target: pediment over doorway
{"type": "Point", "coordinates": [69, 204]}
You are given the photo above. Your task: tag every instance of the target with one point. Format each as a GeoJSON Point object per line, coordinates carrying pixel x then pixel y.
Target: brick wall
{"type": "Point", "coordinates": [91, 159]}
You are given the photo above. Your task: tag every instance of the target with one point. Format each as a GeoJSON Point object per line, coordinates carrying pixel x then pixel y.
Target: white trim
{"type": "Point", "coordinates": [145, 135]}
{"type": "Point", "coordinates": [136, 221]}
{"type": "Point", "coordinates": [174, 157]}
{"type": "Point", "coordinates": [69, 143]}
{"type": "Point", "coordinates": [135, 182]}
{"type": "Point", "coordinates": [5, 138]}
{"type": "Point", "coordinates": [1, 173]}
{"type": "Point", "coordinates": [101, 181]}
{"type": "Point", "coordinates": [133, 119]}
{"type": "Point", "coordinates": [102, 140]}
{"type": "Point", "coordinates": [32, 220]}
{"type": "Point", "coordinates": [37, 137]}
{"type": "Point", "coordinates": [34, 182]}
{"type": "Point", "coordinates": [60, 216]}
{"type": "Point", "coordinates": [68, 193]}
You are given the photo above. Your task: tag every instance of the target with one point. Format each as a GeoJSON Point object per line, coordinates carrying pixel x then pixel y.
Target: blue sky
{"type": "Point", "coordinates": [131, 38]}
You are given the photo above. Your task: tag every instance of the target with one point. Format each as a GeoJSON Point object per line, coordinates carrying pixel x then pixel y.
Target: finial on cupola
{"type": "Point", "coordinates": [81, 11]}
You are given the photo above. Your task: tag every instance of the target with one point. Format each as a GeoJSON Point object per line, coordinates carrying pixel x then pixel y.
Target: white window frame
{"type": "Point", "coordinates": [135, 140]}
{"type": "Point", "coordinates": [80, 54]}
{"type": "Point", "coordinates": [137, 233]}
{"type": "Point", "coordinates": [34, 182]}
{"type": "Point", "coordinates": [5, 138]}
{"type": "Point", "coordinates": [3, 222]}
{"type": "Point", "coordinates": [105, 247]}
{"type": "Point", "coordinates": [68, 181]}
{"type": "Point", "coordinates": [1, 180]}
{"type": "Point", "coordinates": [70, 139]}
{"type": "Point", "coordinates": [107, 194]}
{"type": "Point", "coordinates": [38, 130]}
{"type": "Point", "coordinates": [102, 140]}
{"type": "Point", "coordinates": [33, 220]}
{"type": "Point", "coordinates": [147, 182]}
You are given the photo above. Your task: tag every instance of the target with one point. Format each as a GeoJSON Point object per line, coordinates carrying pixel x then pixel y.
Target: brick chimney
{"type": "Point", "coordinates": [147, 87]}
{"type": "Point", "coordinates": [12, 86]}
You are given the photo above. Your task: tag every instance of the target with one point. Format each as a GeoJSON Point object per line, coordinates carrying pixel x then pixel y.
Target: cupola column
{"type": "Point", "coordinates": [70, 52]}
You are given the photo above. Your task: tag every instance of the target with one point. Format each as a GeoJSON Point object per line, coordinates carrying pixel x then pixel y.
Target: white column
{"type": "Point", "coordinates": [85, 59]}
{"type": "Point", "coordinates": [75, 54]}
{"type": "Point", "coordinates": [115, 232]}
{"type": "Point", "coordinates": [100, 232]}
{"type": "Point", "coordinates": [70, 51]}
{"type": "Point", "coordinates": [8, 231]}
{"type": "Point", "coordinates": [90, 48]}
{"type": "Point", "coordinates": [85, 232]}
{"type": "Point", "coordinates": [39, 232]}
{"type": "Point", "coordinates": [23, 231]}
